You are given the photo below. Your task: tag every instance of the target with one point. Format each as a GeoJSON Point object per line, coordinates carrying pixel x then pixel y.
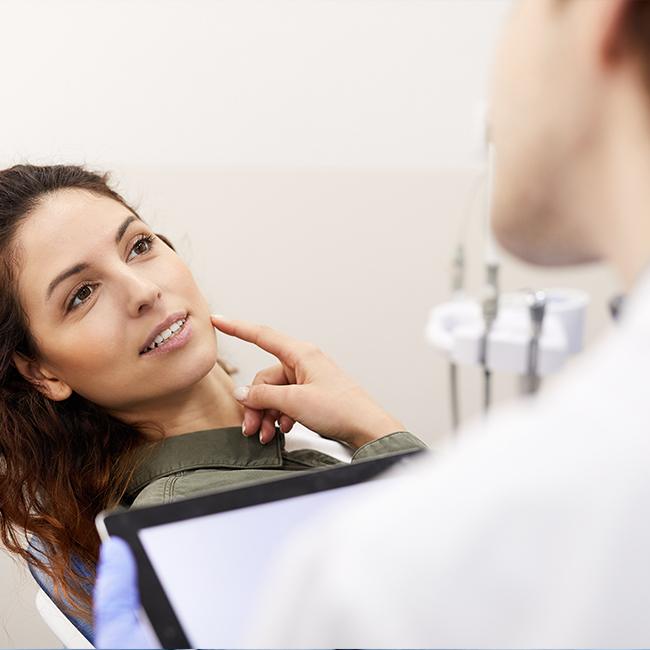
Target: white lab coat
{"type": "Point", "coordinates": [532, 531]}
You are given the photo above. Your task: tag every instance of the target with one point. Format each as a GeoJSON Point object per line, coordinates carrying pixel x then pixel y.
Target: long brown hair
{"type": "Point", "coordinates": [61, 462]}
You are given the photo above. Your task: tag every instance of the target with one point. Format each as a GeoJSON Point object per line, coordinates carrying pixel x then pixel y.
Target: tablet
{"type": "Point", "coordinates": [202, 561]}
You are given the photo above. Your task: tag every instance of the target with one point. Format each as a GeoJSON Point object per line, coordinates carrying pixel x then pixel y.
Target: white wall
{"type": "Point", "coordinates": [310, 159]}
{"type": "Point", "coordinates": [273, 83]}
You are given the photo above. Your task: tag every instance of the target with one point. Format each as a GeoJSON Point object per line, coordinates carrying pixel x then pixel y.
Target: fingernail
{"type": "Point", "coordinates": [219, 316]}
{"type": "Point", "coordinates": [243, 428]}
{"type": "Point", "coordinates": [241, 393]}
{"type": "Point", "coordinates": [261, 438]}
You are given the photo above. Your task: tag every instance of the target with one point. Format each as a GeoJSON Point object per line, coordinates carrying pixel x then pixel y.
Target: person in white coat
{"type": "Point", "coordinates": [533, 529]}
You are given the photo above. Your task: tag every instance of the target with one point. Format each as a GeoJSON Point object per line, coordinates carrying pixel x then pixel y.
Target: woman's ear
{"type": "Point", "coordinates": [46, 383]}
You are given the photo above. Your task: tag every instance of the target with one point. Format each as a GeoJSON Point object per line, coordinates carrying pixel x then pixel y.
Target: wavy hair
{"type": "Point", "coordinates": [61, 462]}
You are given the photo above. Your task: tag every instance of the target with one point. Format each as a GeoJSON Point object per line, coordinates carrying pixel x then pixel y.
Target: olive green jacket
{"type": "Point", "coordinates": [214, 459]}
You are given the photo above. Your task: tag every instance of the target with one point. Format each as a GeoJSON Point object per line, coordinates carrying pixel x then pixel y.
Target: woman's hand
{"type": "Point", "coordinates": [306, 387]}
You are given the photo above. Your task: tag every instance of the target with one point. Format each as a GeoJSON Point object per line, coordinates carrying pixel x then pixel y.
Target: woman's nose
{"type": "Point", "coordinates": [149, 300]}
{"type": "Point", "coordinates": [141, 293]}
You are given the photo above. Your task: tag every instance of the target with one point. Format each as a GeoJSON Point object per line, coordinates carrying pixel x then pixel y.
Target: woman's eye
{"type": "Point", "coordinates": [142, 245]}
{"type": "Point", "coordinates": [83, 294]}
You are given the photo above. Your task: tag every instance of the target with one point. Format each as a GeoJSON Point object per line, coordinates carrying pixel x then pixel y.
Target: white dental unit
{"type": "Point", "coordinates": [530, 333]}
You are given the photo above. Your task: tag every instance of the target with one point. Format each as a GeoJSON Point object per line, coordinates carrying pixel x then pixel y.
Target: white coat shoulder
{"type": "Point", "coordinates": [531, 531]}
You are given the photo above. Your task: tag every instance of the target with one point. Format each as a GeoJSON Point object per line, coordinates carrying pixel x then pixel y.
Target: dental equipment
{"type": "Point", "coordinates": [616, 305]}
{"type": "Point", "coordinates": [501, 332]}
{"type": "Point", "coordinates": [490, 303]}
{"type": "Point", "coordinates": [489, 310]}
{"type": "Point", "coordinates": [537, 309]}
{"type": "Point", "coordinates": [457, 328]}
{"type": "Point", "coordinates": [457, 286]}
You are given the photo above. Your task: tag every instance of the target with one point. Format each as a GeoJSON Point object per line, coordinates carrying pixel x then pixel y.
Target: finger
{"type": "Point", "coordinates": [252, 421]}
{"type": "Point", "coordinates": [285, 423]}
{"type": "Point", "coordinates": [267, 431]}
{"type": "Point", "coordinates": [273, 375]}
{"type": "Point", "coordinates": [272, 415]}
{"type": "Point", "coordinates": [267, 396]}
{"type": "Point", "coordinates": [278, 344]}
{"type": "Point", "coordinates": [278, 375]}
{"type": "Point", "coordinates": [252, 418]}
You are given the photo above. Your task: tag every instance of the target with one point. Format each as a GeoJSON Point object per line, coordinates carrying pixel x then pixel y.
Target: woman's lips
{"type": "Point", "coordinates": [178, 340]}
{"type": "Point", "coordinates": [167, 323]}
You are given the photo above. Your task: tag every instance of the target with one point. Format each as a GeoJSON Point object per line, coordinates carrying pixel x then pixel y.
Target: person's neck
{"type": "Point", "coordinates": [208, 404]}
{"type": "Point", "coordinates": [623, 217]}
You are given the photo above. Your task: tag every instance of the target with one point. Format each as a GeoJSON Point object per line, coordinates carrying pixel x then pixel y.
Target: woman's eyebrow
{"type": "Point", "coordinates": [82, 266]}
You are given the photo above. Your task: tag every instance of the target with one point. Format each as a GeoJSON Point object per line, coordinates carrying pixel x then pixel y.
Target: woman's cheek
{"type": "Point", "coordinates": [94, 349]}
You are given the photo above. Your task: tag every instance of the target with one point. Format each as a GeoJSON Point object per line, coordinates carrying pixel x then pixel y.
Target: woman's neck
{"type": "Point", "coordinates": [208, 404]}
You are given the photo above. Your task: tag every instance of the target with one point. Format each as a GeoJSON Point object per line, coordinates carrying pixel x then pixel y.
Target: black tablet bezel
{"type": "Point", "coordinates": [127, 524]}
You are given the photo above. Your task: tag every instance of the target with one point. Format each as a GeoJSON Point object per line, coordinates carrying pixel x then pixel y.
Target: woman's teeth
{"type": "Point", "coordinates": [166, 334]}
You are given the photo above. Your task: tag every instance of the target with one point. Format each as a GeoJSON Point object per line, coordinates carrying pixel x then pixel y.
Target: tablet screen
{"type": "Point", "coordinates": [212, 567]}
{"type": "Point", "coordinates": [203, 561]}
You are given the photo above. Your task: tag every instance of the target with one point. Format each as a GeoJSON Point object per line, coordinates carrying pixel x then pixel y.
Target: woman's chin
{"type": "Point", "coordinates": [195, 366]}
{"type": "Point", "coordinates": [186, 365]}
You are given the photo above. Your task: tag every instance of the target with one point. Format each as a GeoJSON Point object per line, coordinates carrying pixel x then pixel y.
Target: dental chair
{"type": "Point", "coordinates": [70, 631]}
{"type": "Point", "coordinates": [302, 438]}
{"type": "Point", "coordinates": [61, 626]}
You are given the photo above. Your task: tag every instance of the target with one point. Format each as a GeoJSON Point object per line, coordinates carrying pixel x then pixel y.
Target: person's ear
{"type": "Point", "coordinates": [44, 381]}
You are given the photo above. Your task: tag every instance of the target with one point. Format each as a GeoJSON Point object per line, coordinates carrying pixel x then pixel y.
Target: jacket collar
{"type": "Point", "coordinates": [210, 448]}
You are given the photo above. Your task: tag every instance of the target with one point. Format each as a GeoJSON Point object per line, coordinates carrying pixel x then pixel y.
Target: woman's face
{"type": "Point", "coordinates": [92, 325]}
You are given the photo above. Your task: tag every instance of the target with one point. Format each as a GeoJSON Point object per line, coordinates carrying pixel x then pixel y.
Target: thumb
{"type": "Point", "coordinates": [116, 599]}
{"type": "Point", "coordinates": [116, 588]}
{"type": "Point", "coordinates": [266, 396]}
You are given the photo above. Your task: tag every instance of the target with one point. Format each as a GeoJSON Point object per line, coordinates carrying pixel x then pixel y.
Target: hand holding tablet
{"type": "Point", "coordinates": [116, 599]}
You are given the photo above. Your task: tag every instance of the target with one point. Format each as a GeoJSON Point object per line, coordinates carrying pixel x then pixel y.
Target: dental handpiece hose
{"type": "Point", "coordinates": [537, 310]}
{"type": "Point", "coordinates": [457, 286]}
{"type": "Point", "coordinates": [490, 308]}
{"type": "Point", "coordinates": [490, 303]}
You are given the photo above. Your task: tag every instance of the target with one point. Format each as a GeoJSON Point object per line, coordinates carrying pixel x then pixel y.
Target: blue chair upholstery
{"type": "Point", "coordinates": [45, 583]}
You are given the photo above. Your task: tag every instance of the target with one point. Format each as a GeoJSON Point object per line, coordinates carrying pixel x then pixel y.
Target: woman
{"type": "Point", "coordinates": [110, 385]}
